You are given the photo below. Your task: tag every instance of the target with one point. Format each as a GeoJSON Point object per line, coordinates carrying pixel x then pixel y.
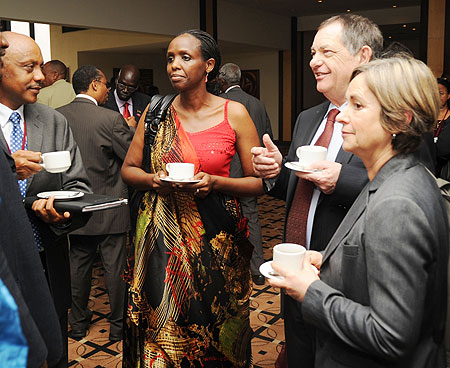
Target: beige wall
{"type": "Point", "coordinates": [67, 46]}
{"type": "Point", "coordinates": [267, 63]}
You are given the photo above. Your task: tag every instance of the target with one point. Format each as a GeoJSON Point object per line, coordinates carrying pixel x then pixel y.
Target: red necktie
{"type": "Point", "coordinates": [126, 113]}
{"type": "Point", "coordinates": [298, 213]}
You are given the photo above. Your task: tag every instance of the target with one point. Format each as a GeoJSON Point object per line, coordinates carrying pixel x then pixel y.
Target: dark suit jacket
{"type": "Point", "coordinates": [255, 108]}
{"type": "Point", "coordinates": [103, 138]}
{"type": "Point", "coordinates": [140, 102]}
{"type": "Point", "coordinates": [332, 208]}
{"type": "Point", "coordinates": [381, 300]}
{"type": "Point", "coordinates": [21, 271]}
{"type": "Point", "coordinates": [48, 131]}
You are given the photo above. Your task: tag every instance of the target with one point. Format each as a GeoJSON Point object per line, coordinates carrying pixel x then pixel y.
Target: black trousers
{"type": "Point", "coordinates": [83, 249]}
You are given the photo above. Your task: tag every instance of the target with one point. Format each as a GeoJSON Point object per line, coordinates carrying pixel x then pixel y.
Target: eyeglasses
{"type": "Point", "coordinates": [105, 83]}
{"type": "Point", "coordinates": [127, 87]}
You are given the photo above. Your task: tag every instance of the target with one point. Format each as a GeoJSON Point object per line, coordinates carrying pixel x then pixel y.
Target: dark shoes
{"type": "Point", "coordinates": [115, 337]}
{"type": "Point", "coordinates": [78, 334]}
{"type": "Point", "coordinates": [258, 279]}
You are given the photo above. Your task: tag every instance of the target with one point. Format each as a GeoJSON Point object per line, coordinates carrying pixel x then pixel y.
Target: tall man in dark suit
{"type": "Point", "coordinates": [228, 79]}
{"type": "Point", "coordinates": [125, 98]}
{"type": "Point", "coordinates": [342, 43]}
{"type": "Point", "coordinates": [21, 268]}
{"type": "Point", "coordinates": [42, 130]}
{"type": "Point", "coordinates": [103, 137]}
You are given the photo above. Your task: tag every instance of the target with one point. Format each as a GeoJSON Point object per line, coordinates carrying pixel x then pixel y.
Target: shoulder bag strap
{"type": "Point", "coordinates": [155, 114]}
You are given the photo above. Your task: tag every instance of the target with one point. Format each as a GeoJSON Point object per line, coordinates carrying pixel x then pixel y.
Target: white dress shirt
{"type": "Point", "coordinates": [82, 95]}
{"type": "Point", "coordinates": [333, 150]}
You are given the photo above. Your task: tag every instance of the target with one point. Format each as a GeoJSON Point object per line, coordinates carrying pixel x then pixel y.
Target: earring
{"type": "Point", "coordinates": [206, 77]}
{"type": "Point", "coordinates": [394, 136]}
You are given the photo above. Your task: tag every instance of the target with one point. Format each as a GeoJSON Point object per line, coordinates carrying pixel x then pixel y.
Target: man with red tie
{"type": "Point", "coordinates": [125, 98]}
{"type": "Point", "coordinates": [317, 202]}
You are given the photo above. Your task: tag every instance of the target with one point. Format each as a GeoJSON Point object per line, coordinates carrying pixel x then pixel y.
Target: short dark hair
{"type": "Point", "coordinates": [83, 77]}
{"type": "Point", "coordinates": [58, 66]}
{"type": "Point", "coordinates": [208, 48]}
{"type": "Point", "coordinates": [357, 31]}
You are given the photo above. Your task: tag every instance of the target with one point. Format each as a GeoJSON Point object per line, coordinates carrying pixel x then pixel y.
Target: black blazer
{"type": "Point", "coordinates": [140, 102]}
{"type": "Point", "coordinates": [332, 208]}
{"type": "Point", "coordinates": [21, 271]}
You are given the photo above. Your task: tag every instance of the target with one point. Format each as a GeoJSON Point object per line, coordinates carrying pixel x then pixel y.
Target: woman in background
{"type": "Point", "coordinates": [381, 297]}
{"type": "Point", "coordinates": [442, 130]}
{"type": "Point", "coordinates": [189, 283]}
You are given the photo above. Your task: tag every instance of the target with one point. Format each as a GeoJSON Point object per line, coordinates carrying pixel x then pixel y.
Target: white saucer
{"type": "Point", "coordinates": [61, 194]}
{"type": "Point", "coordinates": [180, 181]}
{"type": "Point", "coordinates": [297, 167]}
{"type": "Point", "coordinates": [267, 271]}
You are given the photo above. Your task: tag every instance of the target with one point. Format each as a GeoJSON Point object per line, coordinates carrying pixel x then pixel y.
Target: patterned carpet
{"type": "Point", "coordinates": [96, 351]}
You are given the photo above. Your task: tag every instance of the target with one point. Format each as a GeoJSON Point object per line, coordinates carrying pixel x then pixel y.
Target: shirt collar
{"type": "Point", "coordinates": [82, 95]}
{"type": "Point", "coordinates": [231, 87]}
{"type": "Point", "coordinates": [5, 113]}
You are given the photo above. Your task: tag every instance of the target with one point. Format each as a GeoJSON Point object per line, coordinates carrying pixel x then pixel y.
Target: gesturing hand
{"type": "Point", "coordinates": [266, 160]}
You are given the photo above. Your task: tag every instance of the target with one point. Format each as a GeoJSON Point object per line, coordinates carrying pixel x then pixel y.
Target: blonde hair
{"type": "Point", "coordinates": [404, 87]}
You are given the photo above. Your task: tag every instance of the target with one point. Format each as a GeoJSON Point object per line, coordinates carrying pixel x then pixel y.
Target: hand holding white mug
{"type": "Point", "coordinates": [27, 163]}
{"type": "Point", "coordinates": [56, 162]}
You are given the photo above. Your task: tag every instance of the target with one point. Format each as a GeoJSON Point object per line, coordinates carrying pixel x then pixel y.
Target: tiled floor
{"type": "Point", "coordinates": [96, 351]}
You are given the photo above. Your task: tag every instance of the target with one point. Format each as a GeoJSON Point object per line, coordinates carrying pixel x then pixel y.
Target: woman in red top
{"type": "Point", "coordinates": [189, 279]}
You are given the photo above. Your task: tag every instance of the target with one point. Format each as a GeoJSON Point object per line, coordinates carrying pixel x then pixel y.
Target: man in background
{"type": "Point", "coordinates": [228, 79]}
{"type": "Point", "coordinates": [126, 98]}
{"type": "Point", "coordinates": [57, 91]}
{"type": "Point", "coordinates": [103, 138]}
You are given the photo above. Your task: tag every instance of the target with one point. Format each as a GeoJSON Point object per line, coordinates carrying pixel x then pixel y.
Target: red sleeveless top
{"type": "Point", "coordinates": [215, 146]}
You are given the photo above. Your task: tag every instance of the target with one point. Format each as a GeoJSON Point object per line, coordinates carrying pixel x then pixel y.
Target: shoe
{"type": "Point", "coordinates": [258, 279]}
{"type": "Point", "coordinates": [115, 337]}
{"type": "Point", "coordinates": [78, 334]}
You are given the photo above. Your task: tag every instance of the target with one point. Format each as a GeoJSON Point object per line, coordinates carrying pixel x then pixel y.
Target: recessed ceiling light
{"type": "Point", "coordinates": [404, 26]}
{"type": "Point", "coordinates": [348, 10]}
{"type": "Point", "coordinates": [413, 28]}
{"type": "Point", "coordinates": [394, 6]}
{"type": "Point", "coordinates": [389, 36]}
{"type": "Point", "coordinates": [319, 1]}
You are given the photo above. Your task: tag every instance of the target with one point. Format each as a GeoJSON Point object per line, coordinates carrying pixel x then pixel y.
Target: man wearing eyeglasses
{"type": "Point", "coordinates": [103, 138]}
{"type": "Point", "coordinates": [125, 98]}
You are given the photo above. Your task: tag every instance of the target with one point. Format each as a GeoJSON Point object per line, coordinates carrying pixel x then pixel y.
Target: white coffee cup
{"type": "Point", "coordinates": [56, 162]}
{"type": "Point", "coordinates": [180, 170]}
{"type": "Point", "coordinates": [289, 255]}
{"type": "Point", "coordinates": [310, 154]}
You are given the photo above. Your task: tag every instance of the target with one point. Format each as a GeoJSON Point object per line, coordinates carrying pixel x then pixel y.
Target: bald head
{"type": "Point", "coordinates": [127, 81]}
{"type": "Point", "coordinates": [22, 76]}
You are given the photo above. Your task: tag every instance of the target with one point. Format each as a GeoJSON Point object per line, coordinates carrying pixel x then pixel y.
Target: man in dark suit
{"type": "Point", "coordinates": [103, 137]}
{"type": "Point", "coordinates": [125, 98]}
{"type": "Point", "coordinates": [228, 79]}
{"type": "Point", "coordinates": [21, 269]}
{"type": "Point", "coordinates": [43, 130]}
{"type": "Point", "coordinates": [341, 44]}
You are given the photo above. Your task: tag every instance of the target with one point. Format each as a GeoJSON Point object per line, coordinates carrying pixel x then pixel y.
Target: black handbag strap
{"type": "Point", "coordinates": [156, 113]}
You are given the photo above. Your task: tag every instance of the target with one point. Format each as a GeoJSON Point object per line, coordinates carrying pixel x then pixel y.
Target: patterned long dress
{"type": "Point", "coordinates": [189, 272]}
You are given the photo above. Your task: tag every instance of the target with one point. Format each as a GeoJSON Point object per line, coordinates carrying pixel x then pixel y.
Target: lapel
{"type": "Point", "coordinates": [34, 132]}
{"type": "Point", "coordinates": [390, 168]}
{"type": "Point", "coordinates": [312, 123]}
{"type": "Point", "coordinates": [346, 225]}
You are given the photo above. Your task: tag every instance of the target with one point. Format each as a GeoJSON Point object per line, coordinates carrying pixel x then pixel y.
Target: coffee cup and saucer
{"type": "Point", "coordinates": [289, 256]}
{"type": "Point", "coordinates": [307, 155]}
{"type": "Point", "coordinates": [180, 173]}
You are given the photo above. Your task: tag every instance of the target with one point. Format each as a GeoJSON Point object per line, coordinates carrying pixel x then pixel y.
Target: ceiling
{"type": "Point", "coordinates": [301, 8]}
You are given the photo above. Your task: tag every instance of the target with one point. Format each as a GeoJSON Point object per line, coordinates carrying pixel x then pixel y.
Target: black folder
{"type": "Point", "coordinates": [87, 203]}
